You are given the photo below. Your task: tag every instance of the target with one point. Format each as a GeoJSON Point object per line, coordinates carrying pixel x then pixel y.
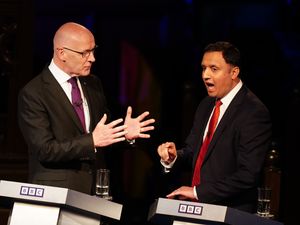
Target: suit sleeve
{"type": "Point", "coordinates": [48, 131]}
{"type": "Point", "coordinates": [194, 139]}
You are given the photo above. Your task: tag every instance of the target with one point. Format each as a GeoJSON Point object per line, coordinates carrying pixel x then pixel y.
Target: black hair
{"type": "Point", "coordinates": [230, 53]}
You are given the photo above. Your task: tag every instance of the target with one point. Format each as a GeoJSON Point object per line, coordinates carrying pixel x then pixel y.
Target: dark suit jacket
{"type": "Point", "coordinates": [60, 152]}
{"type": "Point", "coordinates": [232, 166]}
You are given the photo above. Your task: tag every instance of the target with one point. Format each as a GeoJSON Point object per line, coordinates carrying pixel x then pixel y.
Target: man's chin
{"type": "Point", "coordinates": [86, 73]}
{"type": "Point", "coordinates": [211, 94]}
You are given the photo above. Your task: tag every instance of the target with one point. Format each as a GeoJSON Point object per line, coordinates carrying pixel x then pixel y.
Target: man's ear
{"type": "Point", "coordinates": [60, 54]}
{"type": "Point", "coordinates": [235, 72]}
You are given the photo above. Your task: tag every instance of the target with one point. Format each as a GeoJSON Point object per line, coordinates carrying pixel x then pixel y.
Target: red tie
{"type": "Point", "coordinates": [211, 129]}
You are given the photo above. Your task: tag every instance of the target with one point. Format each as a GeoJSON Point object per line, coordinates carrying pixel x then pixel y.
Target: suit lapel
{"type": "Point", "coordinates": [202, 124]}
{"type": "Point", "coordinates": [89, 96]}
{"type": "Point", "coordinates": [226, 119]}
{"type": "Point", "coordinates": [55, 90]}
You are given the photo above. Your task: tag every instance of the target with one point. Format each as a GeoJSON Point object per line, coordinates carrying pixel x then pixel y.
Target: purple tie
{"type": "Point", "coordinates": [77, 100]}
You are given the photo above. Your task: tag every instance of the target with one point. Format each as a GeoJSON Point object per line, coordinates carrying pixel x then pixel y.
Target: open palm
{"type": "Point", "coordinates": [136, 127]}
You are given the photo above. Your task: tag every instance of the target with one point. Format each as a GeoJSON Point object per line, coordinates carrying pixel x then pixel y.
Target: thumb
{"type": "Point", "coordinates": [171, 152]}
{"type": "Point", "coordinates": [129, 112]}
{"type": "Point", "coordinates": [103, 119]}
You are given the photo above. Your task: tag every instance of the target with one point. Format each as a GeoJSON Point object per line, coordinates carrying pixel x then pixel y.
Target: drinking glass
{"type": "Point", "coordinates": [102, 184]}
{"type": "Point", "coordinates": [264, 201]}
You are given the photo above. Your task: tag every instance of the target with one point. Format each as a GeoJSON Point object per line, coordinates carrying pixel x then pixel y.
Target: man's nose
{"type": "Point", "coordinates": [205, 74]}
{"type": "Point", "coordinates": [92, 57]}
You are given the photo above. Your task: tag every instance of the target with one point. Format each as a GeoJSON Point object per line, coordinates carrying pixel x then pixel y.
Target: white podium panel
{"type": "Point", "coordinates": [176, 212]}
{"type": "Point", "coordinates": [39, 204]}
{"type": "Point", "coordinates": [29, 214]}
{"type": "Point", "coordinates": [69, 218]}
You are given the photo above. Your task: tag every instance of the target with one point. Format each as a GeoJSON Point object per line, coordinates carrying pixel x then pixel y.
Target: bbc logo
{"type": "Point", "coordinates": [32, 191]}
{"type": "Point", "coordinates": [190, 209]}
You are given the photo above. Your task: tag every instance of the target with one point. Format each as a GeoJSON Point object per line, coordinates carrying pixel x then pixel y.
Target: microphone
{"type": "Point", "coordinates": [78, 103]}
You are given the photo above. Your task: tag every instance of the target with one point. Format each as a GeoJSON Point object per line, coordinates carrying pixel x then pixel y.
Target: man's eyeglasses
{"type": "Point", "coordinates": [85, 53]}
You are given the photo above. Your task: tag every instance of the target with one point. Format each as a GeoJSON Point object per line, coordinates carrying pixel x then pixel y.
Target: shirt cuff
{"type": "Point", "coordinates": [195, 193]}
{"type": "Point", "coordinates": [131, 142]}
{"type": "Point", "coordinates": [167, 166]}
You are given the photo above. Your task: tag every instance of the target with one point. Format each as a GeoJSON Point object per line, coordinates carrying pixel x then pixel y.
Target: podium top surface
{"type": "Point", "coordinates": [165, 211]}
{"type": "Point", "coordinates": [63, 197]}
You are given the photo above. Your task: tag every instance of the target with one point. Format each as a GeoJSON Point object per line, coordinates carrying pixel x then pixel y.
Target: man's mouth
{"type": "Point", "coordinates": [210, 86]}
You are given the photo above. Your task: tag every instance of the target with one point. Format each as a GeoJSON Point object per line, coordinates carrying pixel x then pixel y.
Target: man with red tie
{"type": "Point", "coordinates": [229, 139]}
{"type": "Point", "coordinates": [64, 117]}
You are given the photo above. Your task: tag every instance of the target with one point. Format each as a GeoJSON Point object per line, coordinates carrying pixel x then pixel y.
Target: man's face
{"type": "Point", "coordinates": [79, 57]}
{"type": "Point", "coordinates": [218, 76]}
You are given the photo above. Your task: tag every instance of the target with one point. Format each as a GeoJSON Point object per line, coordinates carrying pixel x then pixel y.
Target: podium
{"type": "Point", "coordinates": [168, 211]}
{"type": "Point", "coordinates": [38, 204]}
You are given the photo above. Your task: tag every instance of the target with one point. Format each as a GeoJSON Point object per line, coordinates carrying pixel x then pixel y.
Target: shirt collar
{"type": "Point", "coordinates": [228, 98]}
{"type": "Point", "coordinates": [59, 75]}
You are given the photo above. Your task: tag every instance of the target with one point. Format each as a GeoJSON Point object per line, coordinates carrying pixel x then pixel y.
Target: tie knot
{"type": "Point", "coordinates": [73, 81]}
{"type": "Point", "coordinates": [218, 103]}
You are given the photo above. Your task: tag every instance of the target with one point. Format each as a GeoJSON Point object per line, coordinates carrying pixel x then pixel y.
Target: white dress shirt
{"type": "Point", "coordinates": [62, 78]}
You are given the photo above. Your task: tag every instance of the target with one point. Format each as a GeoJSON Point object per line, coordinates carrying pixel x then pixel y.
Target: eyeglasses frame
{"type": "Point", "coordinates": [84, 54]}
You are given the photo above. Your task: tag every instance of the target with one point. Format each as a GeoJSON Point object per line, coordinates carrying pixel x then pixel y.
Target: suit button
{"type": "Point", "coordinates": [90, 171]}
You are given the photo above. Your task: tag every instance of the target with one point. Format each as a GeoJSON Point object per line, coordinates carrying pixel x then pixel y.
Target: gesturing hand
{"type": "Point", "coordinates": [107, 134]}
{"type": "Point", "coordinates": [136, 127]}
{"type": "Point", "coordinates": [167, 152]}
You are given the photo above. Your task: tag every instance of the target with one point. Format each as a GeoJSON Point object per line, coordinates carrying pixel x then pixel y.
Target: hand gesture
{"type": "Point", "coordinates": [167, 152]}
{"type": "Point", "coordinates": [136, 127]}
{"type": "Point", "coordinates": [107, 134]}
{"type": "Point", "coordinates": [183, 193]}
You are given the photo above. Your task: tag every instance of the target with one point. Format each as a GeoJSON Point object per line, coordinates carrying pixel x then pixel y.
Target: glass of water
{"type": "Point", "coordinates": [102, 184]}
{"type": "Point", "coordinates": [264, 202]}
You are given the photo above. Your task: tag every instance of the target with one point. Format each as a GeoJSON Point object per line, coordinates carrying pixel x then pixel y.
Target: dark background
{"type": "Point", "coordinates": [148, 57]}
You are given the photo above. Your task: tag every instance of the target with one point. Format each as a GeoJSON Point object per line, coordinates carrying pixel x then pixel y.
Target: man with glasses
{"type": "Point", "coordinates": [64, 117]}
